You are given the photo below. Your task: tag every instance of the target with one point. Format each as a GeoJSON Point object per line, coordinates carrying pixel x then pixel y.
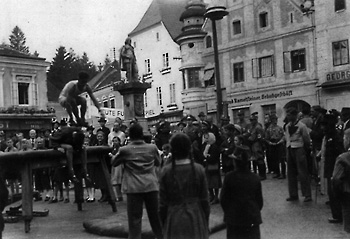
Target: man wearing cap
{"type": "Point", "coordinates": [190, 129]}
{"type": "Point", "coordinates": [227, 147]}
{"type": "Point", "coordinates": [255, 137]}
{"type": "Point", "coordinates": [241, 121]}
{"type": "Point", "coordinates": [297, 140]}
{"type": "Point", "coordinates": [201, 117]}
{"type": "Point", "coordinates": [274, 138]}
{"type": "Point", "coordinates": [163, 131]}
{"type": "Point", "coordinates": [70, 99]}
{"type": "Point", "coordinates": [104, 129]}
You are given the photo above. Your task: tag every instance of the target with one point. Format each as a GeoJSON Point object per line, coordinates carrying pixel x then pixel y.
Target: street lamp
{"type": "Point", "coordinates": [215, 13]}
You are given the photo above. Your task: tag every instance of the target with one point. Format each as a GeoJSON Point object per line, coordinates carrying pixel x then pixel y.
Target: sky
{"type": "Point", "coordinates": [91, 26]}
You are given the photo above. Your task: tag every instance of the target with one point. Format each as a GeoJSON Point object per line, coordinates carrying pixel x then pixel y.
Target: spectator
{"type": "Point", "coordinates": [241, 199]}
{"type": "Point", "coordinates": [104, 129]}
{"type": "Point", "coordinates": [274, 137]}
{"type": "Point", "coordinates": [190, 129]}
{"type": "Point", "coordinates": [297, 139]}
{"type": "Point", "coordinates": [211, 153]}
{"type": "Point", "coordinates": [184, 206]}
{"type": "Point", "coordinates": [227, 147]}
{"type": "Point", "coordinates": [255, 139]}
{"type": "Point", "coordinates": [163, 131]}
{"type": "Point", "coordinates": [331, 148]}
{"type": "Point", "coordinates": [117, 172]}
{"type": "Point", "coordinates": [140, 188]}
{"type": "Point", "coordinates": [341, 181]}
{"type": "Point", "coordinates": [3, 202]}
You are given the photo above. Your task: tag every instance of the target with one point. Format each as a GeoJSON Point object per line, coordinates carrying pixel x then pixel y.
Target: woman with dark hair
{"type": "Point", "coordinates": [184, 201]}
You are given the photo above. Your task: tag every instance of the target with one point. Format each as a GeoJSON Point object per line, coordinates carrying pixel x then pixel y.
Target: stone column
{"type": "Point", "coordinates": [133, 96]}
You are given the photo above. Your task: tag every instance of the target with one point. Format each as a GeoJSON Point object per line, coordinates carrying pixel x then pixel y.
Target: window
{"type": "Point", "coordinates": [165, 60]}
{"type": "Point", "coordinates": [148, 65]}
{"type": "Point", "coordinates": [193, 78]}
{"type": "Point", "coordinates": [209, 78]}
{"type": "Point", "coordinates": [134, 44]}
{"type": "Point", "coordinates": [159, 95]}
{"type": "Point", "coordinates": [238, 72]}
{"type": "Point", "coordinates": [172, 93]}
{"type": "Point", "coordinates": [263, 19]}
{"type": "Point", "coordinates": [339, 5]}
{"type": "Point", "coordinates": [24, 91]}
{"type": "Point", "coordinates": [263, 67]}
{"type": "Point", "coordinates": [146, 98]}
{"type": "Point", "coordinates": [157, 36]}
{"type": "Point", "coordinates": [236, 25]}
{"type": "Point", "coordinates": [208, 42]}
{"type": "Point", "coordinates": [291, 17]}
{"type": "Point", "coordinates": [112, 102]}
{"type": "Point", "coordinates": [294, 61]}
{"type": "Point", "coordinates": [105, 101]}
{"type": "Point", "coordinates": [340, 53]}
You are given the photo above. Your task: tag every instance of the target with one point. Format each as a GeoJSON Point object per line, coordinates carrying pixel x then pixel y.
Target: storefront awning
{"type": "Point", "coordinates": [208, 74]}
{"type": "Point", "coordinates": [334, 83]}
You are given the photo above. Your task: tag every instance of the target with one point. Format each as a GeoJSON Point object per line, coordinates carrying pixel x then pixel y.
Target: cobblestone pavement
{"type": "Point", "coordinates": [281, 219]}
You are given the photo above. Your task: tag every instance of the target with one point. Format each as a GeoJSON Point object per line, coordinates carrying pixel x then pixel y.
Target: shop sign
{"type": "Point", "coordinates": [338, 75]}
{"type": "Point", "coordinates": [111, 113]}
{"type": "Point", "coordinates": [264, 96]}
{"type": "Point", "coordinates": [149, 112]}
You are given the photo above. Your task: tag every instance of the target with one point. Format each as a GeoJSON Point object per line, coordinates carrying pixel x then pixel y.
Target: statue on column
{"type": "Point", "coordinates": [128, 61]}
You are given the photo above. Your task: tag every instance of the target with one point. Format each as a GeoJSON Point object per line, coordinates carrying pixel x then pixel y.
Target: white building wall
{"type": "Point", "coordinates": [149, 47]}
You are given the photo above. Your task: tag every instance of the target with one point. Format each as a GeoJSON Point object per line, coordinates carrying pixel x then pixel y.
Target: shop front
{"type": "Point", "coordinates": [335, 90]}
{"type": "Point", "coordinates": [273, 100]}
{"type": "Point", "coordinates": [13, 123]}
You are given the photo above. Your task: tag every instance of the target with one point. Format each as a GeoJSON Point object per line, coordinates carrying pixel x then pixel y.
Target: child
{"type": "Point", "coordinates": [165, 155]}
{"type": "Point", "coordinates": [117, 172]}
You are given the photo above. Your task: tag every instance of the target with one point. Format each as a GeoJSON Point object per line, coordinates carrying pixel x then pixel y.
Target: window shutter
{"type": "Point", "coordinates": [287, 62]}
{"type": "Point", "coordinates": [255, 68]}
{"type": "Point", "coordinates": [35, 93]}
{"type": "Point", "coordinates": [14, 93]}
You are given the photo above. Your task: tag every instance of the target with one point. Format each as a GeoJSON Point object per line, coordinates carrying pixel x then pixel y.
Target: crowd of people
{"type": "Point", "coordinates": [179, 173]}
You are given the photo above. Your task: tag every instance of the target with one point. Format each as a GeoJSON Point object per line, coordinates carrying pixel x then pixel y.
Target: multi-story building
{"type": "Point", "coordinates": [267, 56]}
{"type": "Point", "coordinates": [332, 34]}
{"type": "Point", "coordinates": [23, 92]}
{"type": "Point", "coordinates": [158, 58]}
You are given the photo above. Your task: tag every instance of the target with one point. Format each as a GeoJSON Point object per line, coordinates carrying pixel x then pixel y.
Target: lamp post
{"type": "Point", "coordinates": [216, 13]}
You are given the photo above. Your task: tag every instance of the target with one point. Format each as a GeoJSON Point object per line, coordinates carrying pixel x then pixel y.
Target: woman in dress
{"type": "Point", "coordinates": [184, 201]}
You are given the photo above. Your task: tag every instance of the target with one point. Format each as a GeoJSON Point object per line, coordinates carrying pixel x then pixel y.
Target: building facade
{"type": "Point", "coordinates": [267, 55]}
{"type": "Point", "coordinates": [332, 29]}
{"type": "Point", "coordinates": [23, 92]}
{"type": "Point", "coordinates": [158, 59]}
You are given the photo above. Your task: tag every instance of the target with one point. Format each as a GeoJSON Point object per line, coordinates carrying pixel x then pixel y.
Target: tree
{"type": "Point", "coordinates": [59, 73]}
{"type": "Point", "coordinates": [18, 40]}
{"type": "Point", "coordinates": [65, 67]}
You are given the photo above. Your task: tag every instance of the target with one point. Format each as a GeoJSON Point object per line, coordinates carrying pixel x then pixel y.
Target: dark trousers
{"type": "Point", "coordinates": [242, 232]}
{"type": "Point", "coordinates": [345, 201]}
{"type": "Point", "coordinates": [261, 166]}
{"type": "Point", "coordinates": [297, 168]}
{"type": "Point", "coordinates": [334, 202]}
{"type": "Point", "coordinates": [277, 159]}
{"type": "Point", "coordinates": [135, 207]}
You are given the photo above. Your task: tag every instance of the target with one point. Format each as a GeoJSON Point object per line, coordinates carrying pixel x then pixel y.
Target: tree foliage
{"type": "Point", "coordinates": [18, 40]}
{"type": "Point", "coordinates": [65, 67]}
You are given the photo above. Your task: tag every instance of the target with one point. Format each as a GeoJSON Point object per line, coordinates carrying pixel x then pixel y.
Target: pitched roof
{"type": "Point", "coordinates": [104, 78]}
{"type": "Point", "coordinates": [6, 50]}
{"type": "Point", "coordinates": [166, 11]}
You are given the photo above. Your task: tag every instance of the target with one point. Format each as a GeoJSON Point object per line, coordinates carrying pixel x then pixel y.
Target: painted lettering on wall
{"type": "Point", "coordinates": [264, 96]}
{"type": "Point", "coordinates": [338, 75]}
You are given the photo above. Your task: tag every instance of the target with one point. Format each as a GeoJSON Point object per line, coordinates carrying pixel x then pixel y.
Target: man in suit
{"type": "Point", "coordinates": [140, 182]}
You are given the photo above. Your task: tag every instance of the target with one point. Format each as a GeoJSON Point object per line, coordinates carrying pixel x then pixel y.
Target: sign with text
{"type": "Point", "coordinates": [338, 75]}
{"type": "Point", "coordinates": [264, 96]}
